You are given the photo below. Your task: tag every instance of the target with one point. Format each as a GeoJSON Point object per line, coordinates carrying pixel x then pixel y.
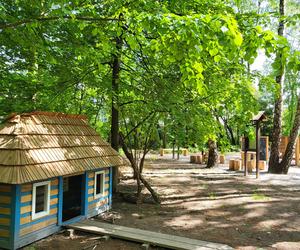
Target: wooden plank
{"type": "Point", "coordinates": [5, 199]}
{"type": "Point", "coordinates": [26, 188]}
{"type": "Point", "coordinates": [5, 188]}
{"type": "Point", "coordinates": [26, 209]}
{"type": "Point", "coordinates": [4, 233]}
{"type": "Point", "coordinates": [54, 182]}
{"type": "Point", "coordinates": [144, 236]}
{"type": "Point", "coordinates": [147, 233]}
{"type": "Point", "coordinates": [4, 221]}
{"type": "Point", "coordinates": [54, 201]}
{"type": "Point", "coordinates": [4, 210]}
{"type": "Point", "coordinates": [54, 192]}
{"type": "Point", "coordinates": [26, 198]}
{"type": "Point", "coordinates": [35, 227]}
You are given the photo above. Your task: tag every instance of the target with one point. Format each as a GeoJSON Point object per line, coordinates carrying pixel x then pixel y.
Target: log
{"type": "Point", "coordinates": [250, 165]}
{"type": "Point", "coordinates": [231, 164]}
{"type": "Point", "coordinates": [199, 159]}
{"type": "Point", "coordinates": [161, 152]}
{"type": "Point", "coordinates": [262, 165]}
{"type": "Point", "coordinates": [185, 152]}
{"type": "Point", "coordinates": [222, 159]}
{"type": "Point", "coordinates": [237, 165]}
{"type": "Point", "coordinates": [193, 158]}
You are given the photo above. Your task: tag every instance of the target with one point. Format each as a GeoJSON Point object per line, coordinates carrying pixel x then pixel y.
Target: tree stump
{"type": "Point", "coordinates": [250, 165]}
{"type": "Point", "coordinates": [161, 152]}
{"type": "Point", "coordinates": [199, 159]}
{"type": "Point", "coordinates": [185, 152]}
{"type": "Point", "coordinates": [222, 159]}
{"type": "Point", "coordinates": [231, 164]}
{"type": "Point", "coordinates": [262, 165]}
{"type": "Point", "coordinates": [237, 165]}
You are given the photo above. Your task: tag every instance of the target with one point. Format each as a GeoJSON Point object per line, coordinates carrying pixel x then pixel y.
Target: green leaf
{"type": "Point", "coordinates": [213, 51]}
{"type": "Point", "coordinates": [217, 58]}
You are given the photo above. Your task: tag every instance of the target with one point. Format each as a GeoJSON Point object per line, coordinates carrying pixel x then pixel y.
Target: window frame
{"type": "Point", "coordinates": [46, 210]}
{"type": "Point", "coordinates": [101, 194]}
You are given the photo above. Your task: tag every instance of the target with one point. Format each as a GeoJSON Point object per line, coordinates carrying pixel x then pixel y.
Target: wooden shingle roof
{"type": "Point", "coordinates": [41, 145]}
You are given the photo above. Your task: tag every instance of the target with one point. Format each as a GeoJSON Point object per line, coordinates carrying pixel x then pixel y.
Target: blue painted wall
{"type": "Point", "coordinates": [17, 228]}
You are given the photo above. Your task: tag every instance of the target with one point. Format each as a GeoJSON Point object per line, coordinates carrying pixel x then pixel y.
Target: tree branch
{"type": "Point", "coordinates": [54, 18]}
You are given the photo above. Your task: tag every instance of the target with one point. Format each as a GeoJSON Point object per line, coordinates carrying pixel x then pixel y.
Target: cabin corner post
{"type": "Point", "coordinates": [60, 199]}
{"type": "Point", "coordinates": [110, 186]}
{"type": "Point", "coordinates": [15, 212]}
{"type": "Point", "coordinates": [84, 196]}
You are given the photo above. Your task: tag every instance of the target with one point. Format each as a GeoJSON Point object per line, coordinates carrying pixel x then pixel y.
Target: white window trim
{"type": "Point", "coordinates": [47, 200]}
{"type": "Point", "coordinates": [96, 196]}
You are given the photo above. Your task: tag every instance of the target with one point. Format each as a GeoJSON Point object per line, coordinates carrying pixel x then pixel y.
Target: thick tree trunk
{"type": "Point", "coordinates": [288, 155]}
{"type": "Point", "coordinates": [114, 107]}
{"type": "Point", "coordinates": [136, 171]}
{"type": "Point", "coordinates": [274, 166]}
{"type": "Point", "coordinates": [212, 154]}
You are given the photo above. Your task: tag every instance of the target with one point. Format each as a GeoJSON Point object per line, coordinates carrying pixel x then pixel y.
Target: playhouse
{"type": "Point", "coordinates": [54, 169]}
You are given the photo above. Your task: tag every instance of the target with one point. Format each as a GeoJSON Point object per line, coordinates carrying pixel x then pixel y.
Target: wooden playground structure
{"type": "Point", "coordinates": [283, 144]}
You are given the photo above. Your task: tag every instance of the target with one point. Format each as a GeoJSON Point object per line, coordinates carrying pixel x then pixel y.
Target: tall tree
{"type": "Point", "coordinates": [277, 119]}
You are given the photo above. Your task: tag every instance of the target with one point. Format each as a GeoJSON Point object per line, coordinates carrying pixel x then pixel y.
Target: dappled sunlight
{"type": "Point", "coordinates": [220, 205]}
{"type": "Point", "coordinates": [185, 221]}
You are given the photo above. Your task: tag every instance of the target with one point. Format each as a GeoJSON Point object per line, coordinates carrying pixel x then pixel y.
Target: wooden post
{"type": "Point", "coordinates": [257, 148]}
{"type": "Point", "coordinates": [245, 155]}
{"type": "Point", "coordinates": [297, 152]}
{"type": "Point", "coordinates": [173, 150]}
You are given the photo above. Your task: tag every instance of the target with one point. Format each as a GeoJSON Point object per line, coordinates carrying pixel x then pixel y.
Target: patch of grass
{"type": "Point", "coordinates": [259, 197]}
{"type": "Point", "coordinates": [212, 195]}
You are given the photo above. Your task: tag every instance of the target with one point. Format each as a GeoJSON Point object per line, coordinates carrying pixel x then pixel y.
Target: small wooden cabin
{"type": "Point", "coordinates": [54, 169]}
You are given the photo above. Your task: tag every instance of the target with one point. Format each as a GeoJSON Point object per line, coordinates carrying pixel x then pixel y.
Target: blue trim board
{"type": "Point", "coordinates": [6, 193]}
{"type": "Point", "coordinates": [100, 199]}
{"type": "Point", "coordinates": [5, 227]}
{"type": "Point", "coordinates": [5, 216]}
{"type": "Point", "coordinates": [98, 210]}
{"type": "Point", "coordinates": [5, 243]}
{"type": "Point", "coordinates": [25, 204]}
{"type": "Point", "coordinates": [26, 193]}
{"type": "Point", "coordinates": [36, 235]}
{"type": "Point", "coordinates": [92, 194]}
{"type": "Point", "coordinates": [110, 187]}
{"type": "Point", "coordinates": [84, 195]}
{"type": "Point", "coordinates": [75, 219]}
{"type": "Point", "coordinates": [15, 227]}
{"type": "Point", "coordinates": [7, 205]}
{"type": "Point", "coordinates": [60, 199]}
{"type": "Point", "coordinates": [91, 179]}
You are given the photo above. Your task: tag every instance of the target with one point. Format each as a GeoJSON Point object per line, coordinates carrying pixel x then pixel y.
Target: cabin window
{"type": "Point", "coordinates": [40, 199]}
{"type": "Point", "coordinates": [99, 184]}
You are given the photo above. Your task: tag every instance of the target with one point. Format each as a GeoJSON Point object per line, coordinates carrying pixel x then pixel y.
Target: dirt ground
{"type": "Point", "coordinates": [214, 205]}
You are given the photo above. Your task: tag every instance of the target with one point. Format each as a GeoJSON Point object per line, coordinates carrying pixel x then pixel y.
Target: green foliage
{"type": "Point", "coordinates": [183, 63]}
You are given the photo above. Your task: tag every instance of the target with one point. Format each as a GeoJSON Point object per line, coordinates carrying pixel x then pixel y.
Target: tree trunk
{"type": "Point", "coordinates": [212, 154]}
{"type": "Point", "coordinates": [136, 171]}
{"type": "Point", "coordinates": [114, 107]}
{"type": "Point", "coordinates": [288, 155]}
{"type": "Point", "coordinates": [274, 166]}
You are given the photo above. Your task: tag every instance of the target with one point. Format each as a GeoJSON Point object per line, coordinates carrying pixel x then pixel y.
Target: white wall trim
{"type": "Point", "coordinates": [96, 196]}
{"type": "Point", "coordinates": [47, 200]}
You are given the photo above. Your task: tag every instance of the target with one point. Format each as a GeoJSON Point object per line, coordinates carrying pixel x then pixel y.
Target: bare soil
{"type": "Point", "coordinates": [214, 205]}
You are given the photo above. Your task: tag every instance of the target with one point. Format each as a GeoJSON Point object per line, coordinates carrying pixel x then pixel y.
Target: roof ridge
{"type": "Point", "coordinates": [46, 113]}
